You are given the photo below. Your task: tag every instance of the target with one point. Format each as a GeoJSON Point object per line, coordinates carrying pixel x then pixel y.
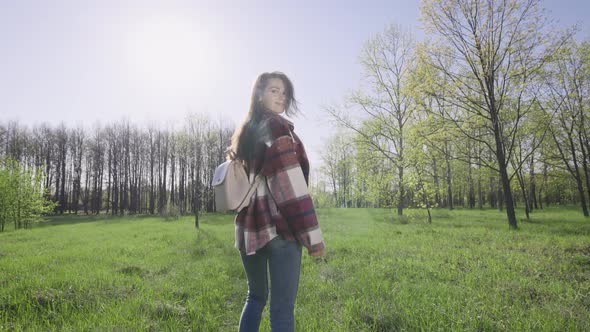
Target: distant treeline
{"type": "Point", "coordinates": [121, 167]}
{"type": "Point", "coordinates": [354, 175]}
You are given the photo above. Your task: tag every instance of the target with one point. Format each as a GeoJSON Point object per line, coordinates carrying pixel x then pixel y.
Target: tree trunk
{"type": "Point", "coordinates": [533, 203]}
{"type": "Point", "coordinates": [164, 156]}
{"type": "Point", "coordinates": [507, 192]}
{"type": "Point", "coordinates": [500, 195]}
{"type": "Point", "coordinates": [152, 202]}
{"type": "Point", "coordinates": [544, 186]}
{"type": "Point", "coordinates": [172, 180]}
{"type": "Point", "coordinates": [449, 178]}
{"type": "Point", "coordinates": [400, 203]}
{"type": "Point", "coordinates": [578, 178]}
{"type": "Point", "coordinates": [196, 203]}
{"type": "Point", "coordinates": [479, 189]}
{"type": "Point", "coordinates": [436, 182]}
{"type": "Point", "coordinates": [99, 179]}
{"type": "Point", "coordinates": [492, 193]}
{"type": "Point", "coordinates": [501, 159]}
{"type": "Point", "coordinates": [522, 186]}
{"type": "Point", "coordinates": [584, 163]}
{"type": "Point", "coordinates": [181, 184]}
{"type": "Point", "coordinates": [471, 190]}
{"type": "Point", "coordinates": [86, 196]}
{"type": "Point", "coordinates": [62, 197]}
{"type": "Point", "coordinates": [114, 178]}
{"type": "Point", "coordinates": [78, 171]}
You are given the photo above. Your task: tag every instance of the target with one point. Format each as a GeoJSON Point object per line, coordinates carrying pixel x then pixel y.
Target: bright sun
{"type": "Point", "coordinates": [168, 52]}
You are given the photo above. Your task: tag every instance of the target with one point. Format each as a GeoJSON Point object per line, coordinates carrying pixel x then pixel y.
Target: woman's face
{"type": "Point", "coordinates": [273, 96]}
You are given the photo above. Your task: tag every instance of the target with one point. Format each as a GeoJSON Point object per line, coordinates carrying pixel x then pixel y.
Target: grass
{"type": "Point", "coordinates": [465, 271]}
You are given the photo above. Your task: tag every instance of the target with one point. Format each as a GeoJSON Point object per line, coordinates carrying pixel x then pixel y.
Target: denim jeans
{"type": "Point", "coordinates": [282, 258]}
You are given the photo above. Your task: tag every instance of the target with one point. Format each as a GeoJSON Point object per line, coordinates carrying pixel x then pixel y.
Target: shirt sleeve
{"type": "Point", "coordinates": [289, 190]}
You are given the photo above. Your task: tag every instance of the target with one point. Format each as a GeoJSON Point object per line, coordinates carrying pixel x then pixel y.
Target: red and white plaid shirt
{"type": "Point", "coordinates": [282, 204]}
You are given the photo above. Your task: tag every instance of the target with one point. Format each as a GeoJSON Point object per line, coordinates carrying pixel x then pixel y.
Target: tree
{"type": "Point", "coordinates": [61, 136]}
{"type": "Point", "coordinates": [163, 157]}
{"type": "Point", "coordinates": [77, 151]}
{"type": "Point", "coordinates": [497, 50]}
{"type": "Point", "coordinates": [152, 144]}
{"type": "Point", "coordinates": [385, 107]}
{"type": "Point", "coordinates": [3, 139]}
{"type": "Point", "coordinates": [523, 158]}
{"type": "Point", "coordinates": [97, 155]}
{"type": "Point", "coordinates": [421, 170]}
{"type": "Point", "coordinates": [568, 91]}
{"type": "Point", "coordinates": [137, 150]}
{"type": "Point", "coordinates": [338, 158]}
{"type": "Point", "coordinates": [375, 175]}
{"type": "Point", "coordinates": [21, 195]}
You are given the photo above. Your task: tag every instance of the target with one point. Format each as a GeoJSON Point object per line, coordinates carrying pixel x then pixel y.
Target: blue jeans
{"type": "Point", "coordinates": [282, 258]}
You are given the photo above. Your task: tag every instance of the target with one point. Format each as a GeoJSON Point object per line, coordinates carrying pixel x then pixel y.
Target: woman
{"type": "Point", "coordinates": [280, 218]}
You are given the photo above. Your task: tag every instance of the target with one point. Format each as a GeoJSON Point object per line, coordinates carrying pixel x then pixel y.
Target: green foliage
{"type": "Point", "coordinates": [421, 173]}
{"type": "Point", "coordinates": [419, 215]}
{"type": "Point", "coordinates": [375, 176]}
{"type": "Point", "coordinates": [466, 272]}
{"type": "Point", "coordinates": [21, 196]}
{"type": "Point", "coordinates": [171, 212]}
{"type": "Point", "coordinates": [321, 197]}
{"type": "Point", "coordinates": [338, 168]}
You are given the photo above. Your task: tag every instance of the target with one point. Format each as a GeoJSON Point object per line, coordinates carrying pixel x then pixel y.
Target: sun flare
{"type": "Point", "coordinates": [168, 51]}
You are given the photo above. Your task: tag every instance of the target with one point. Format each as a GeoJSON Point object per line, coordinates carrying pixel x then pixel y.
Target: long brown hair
{"type": "Point", "coordinates": [247, 134]}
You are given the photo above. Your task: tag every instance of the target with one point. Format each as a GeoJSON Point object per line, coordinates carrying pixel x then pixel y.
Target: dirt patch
{"type": "Point", "coordinates": [380, 323]}
{"type": "Point", "coordinates": [134, 271]}
{"type": "Point", "coordinates": [579, 250]}
{"type": "Point", "coordinates": [165, 310]}
{"type": "Point", "coordinates": [46, 298]}
{"type": "Point", "coordinates": [585, 251]}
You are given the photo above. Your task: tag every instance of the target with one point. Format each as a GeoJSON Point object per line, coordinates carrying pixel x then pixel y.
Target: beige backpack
{"type": "Point", "coordinates": [233, 188]}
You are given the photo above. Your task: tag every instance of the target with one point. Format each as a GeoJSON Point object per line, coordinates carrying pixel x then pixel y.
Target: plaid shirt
{"type": "Point", "coordinates": [282, 204]}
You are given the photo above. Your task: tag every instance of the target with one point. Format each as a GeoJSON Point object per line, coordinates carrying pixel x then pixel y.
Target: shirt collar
{"type": "Point", "coordinates": [284, 121]}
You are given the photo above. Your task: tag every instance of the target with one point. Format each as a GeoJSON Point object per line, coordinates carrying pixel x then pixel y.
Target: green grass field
{"type": "Point", "coordinates": [466, 271]}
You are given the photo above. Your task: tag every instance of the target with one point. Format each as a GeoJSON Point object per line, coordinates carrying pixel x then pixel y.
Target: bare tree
{"type": "Point", "coordinates": [76, 146]}
{"type": "Point", "coordinates": [183, 159]}
{"type": "Point", "coordinates": [97, 147]}
{"type": "Point", "coordinates": [137, 165]}
{"type": "Point", "coordinates": [61, 136]}
{"type": "Point", "coordinates": [135, 170]}
{"type": "Point", "coordinates": [163, 142]}
{"type": "Point", "coordinates": [151, 139]}
{"type": "Point", "coordinates": [3, 139]}
{"type": "Point", "coordinates": [125, 141]}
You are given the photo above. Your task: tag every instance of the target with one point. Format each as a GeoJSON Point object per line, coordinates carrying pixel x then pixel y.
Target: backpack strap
{"type": "Point", "coordinates": [291, 134]}
{"type": "Point", "coordinates": [256, 179]}
{"type": "Point", "coordinates": [253, 186]}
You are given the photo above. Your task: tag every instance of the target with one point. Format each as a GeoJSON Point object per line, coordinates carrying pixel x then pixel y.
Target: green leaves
{"type": "Point", "coordinates": [21, 195]}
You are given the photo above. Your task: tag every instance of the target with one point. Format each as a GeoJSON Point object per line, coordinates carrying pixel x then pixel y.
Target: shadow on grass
{"type": "Point", "coordinates": [216, 218]}
{"type": "Point", "coordinates": [208, 243]}
{"type": "Point", "coordinates": [556, 221]}
{"type": "Point", "coordinates": [70, 219]}
{"type": "Point", "coordinates": [582, 230]}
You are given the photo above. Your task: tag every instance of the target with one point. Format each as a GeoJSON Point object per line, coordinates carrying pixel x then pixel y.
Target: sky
{"type": "Point", "coordinates": [82, 62]}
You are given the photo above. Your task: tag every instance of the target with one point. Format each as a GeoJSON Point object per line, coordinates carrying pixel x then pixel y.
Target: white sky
{"type": "Point", "coordinates": [153, 61]}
